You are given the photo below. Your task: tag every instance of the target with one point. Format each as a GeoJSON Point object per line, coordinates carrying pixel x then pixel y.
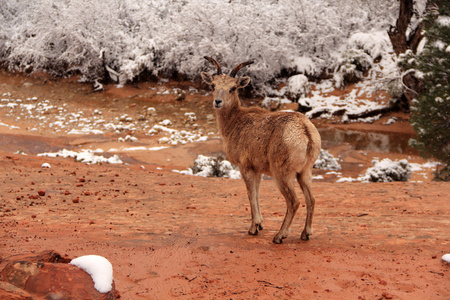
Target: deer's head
{"type": "Point", "coordinates": [225, 86]}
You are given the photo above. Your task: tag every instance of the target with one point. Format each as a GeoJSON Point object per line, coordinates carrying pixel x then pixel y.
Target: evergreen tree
{"type": "Point", "coordinates": [431, 108]}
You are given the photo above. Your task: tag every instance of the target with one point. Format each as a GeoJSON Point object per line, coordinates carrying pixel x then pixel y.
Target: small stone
{"type": "Point", "coordinates": [386, 295]}
{"type": "Point", "coordinates": [41, 193]}
{"type": "Point", "coordinates": [27, 84]}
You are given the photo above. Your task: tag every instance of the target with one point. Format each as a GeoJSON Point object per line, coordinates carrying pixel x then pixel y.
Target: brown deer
{"type": "Point", "coordinates": [283, 145]}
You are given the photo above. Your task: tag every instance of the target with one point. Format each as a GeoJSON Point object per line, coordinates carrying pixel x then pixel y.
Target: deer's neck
{"type": "Point", "coordinates": [227, 119]}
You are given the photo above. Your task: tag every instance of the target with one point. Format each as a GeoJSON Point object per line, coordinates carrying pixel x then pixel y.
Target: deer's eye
{"type": "Point", "coordinates": [232, 89]}
{"type": "Point", "coordinates": [213, 86]}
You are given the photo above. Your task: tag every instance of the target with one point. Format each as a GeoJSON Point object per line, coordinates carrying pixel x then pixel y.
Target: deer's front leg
{"type": "Point", "coordinates": [252, 181]}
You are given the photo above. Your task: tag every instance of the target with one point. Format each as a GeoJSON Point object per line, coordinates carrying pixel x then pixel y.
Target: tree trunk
{"type": "Point", "coordinates": [397, 33]}
{"type": "Point", "coordinates": [401, 42]}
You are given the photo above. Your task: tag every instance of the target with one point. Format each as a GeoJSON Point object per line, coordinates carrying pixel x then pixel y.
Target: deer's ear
{"type": "Point", "coordinates": [243, 82]}
{"type": "Point", "coordinates": [208, 78]}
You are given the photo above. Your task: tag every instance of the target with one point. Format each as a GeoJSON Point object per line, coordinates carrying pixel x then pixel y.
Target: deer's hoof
{"type": "Point", "coordinates": [304, 236]}
{"type": "Point", "coordinates": [254, 229]}
{"type": "Point", "coordinates": [253, 232]}
{"type": "Point", "coordinates": [278, 239]}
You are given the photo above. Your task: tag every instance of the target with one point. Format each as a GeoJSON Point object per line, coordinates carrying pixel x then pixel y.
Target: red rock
{"type": "Point", "coordinates": [47, 275]}
{"type": "Point", "coordinates": [41, 193]}
{"type": "Point", "coordinates": [386, 295]}
{"type": "Point", "coordinates": [11, 292]}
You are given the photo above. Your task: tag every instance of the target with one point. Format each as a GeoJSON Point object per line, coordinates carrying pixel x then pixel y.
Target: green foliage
{"type": "Point", "coordinates": [431, 109]}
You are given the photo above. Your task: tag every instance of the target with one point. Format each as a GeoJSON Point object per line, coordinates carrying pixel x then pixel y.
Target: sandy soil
{"type": "Point", "coordinates": [177, 236]}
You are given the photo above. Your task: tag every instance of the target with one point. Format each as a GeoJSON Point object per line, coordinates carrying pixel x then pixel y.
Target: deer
{"type": "Point", "coordinates": [282, 144]}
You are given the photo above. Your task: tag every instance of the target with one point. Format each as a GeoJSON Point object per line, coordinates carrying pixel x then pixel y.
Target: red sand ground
{"type": "Point", "coordinates": [177, 236]}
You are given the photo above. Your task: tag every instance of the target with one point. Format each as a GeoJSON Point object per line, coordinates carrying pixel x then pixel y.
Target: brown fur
{"type": "Point", "coordinates": [284, 145]}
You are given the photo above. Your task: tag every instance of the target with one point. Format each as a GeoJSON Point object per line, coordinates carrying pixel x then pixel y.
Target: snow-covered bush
{"type": "Point", "coordinates": [376, 44]}
{"type": "Point", "coordinates": [327, 161]}
{"type": "Point", "coordinates": [305, 65]}
{"type": "Point", "coordinates": [387, 170]}
{"type": "Point", "coordinates": [209, 166]}
{"type": "Point", "coordinates": [351, 67]}
{"type": "Point", "coordinates": [167, 37]}
{"type": "Point", "coordinates": [297, 86]}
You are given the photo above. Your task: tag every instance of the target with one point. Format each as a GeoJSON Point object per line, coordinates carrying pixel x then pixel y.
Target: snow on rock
{"type": "Point", "coordinates": [86, 156]}
{"type": "Point", "coordinates": [327, 161]}
{"type": "Point", "coordinates": [209, 166]}
{"type": "Point", "coordinates": [177, 136]}
{"type": "Point", "coordinates": [46, 165]}
{"type": "Point", "coordinates": [128, 138]}
{"type": "Point", "coordinates": [446, 258]}
{"type": "Point", "coordinates": [387, 170]}
{"type": "Point", "coordinates": [165, 122]}
{"type": "Point", "coordinates": [326, 105]}
{"type": "Point", "coordinates": [99, 268]}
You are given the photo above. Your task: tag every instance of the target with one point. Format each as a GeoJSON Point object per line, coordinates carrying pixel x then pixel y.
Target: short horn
{"type": "Point", "coordinates": [213, 61]}
{"type": "Point", "coordinates": [240, 66]}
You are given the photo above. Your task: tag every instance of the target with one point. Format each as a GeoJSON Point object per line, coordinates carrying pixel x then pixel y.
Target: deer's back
{"type": "Point", "coordinates": [266, 141]}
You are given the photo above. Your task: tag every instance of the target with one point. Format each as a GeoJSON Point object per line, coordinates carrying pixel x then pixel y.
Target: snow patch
{"type": "Point", "coordinates": [177, 136]}
{"type": "Point", "coordinates": [99, 268]}
{"type": "Point", "coordinates": [86, 156]}
{"type": "Point", "coordinates": [446, 258]}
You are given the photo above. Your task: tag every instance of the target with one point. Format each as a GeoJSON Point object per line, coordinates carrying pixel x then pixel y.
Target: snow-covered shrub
{"type": "Point", "coordinates": [297, 86]}
{"type": "Point", "coordinates": [305, 65]}
{"type": "Point", "coordinates": [327, 161]}
{"type": "Point", "coordinates": [351, 67]}
{"type": "Point", "coordinates": [209, 166]}
{"type": "Point", "coordinates": [376, 44]}
{"type": "Point", "coordinates": [168, 37]}
{"type": "Point", "coordinates": [387, 170]}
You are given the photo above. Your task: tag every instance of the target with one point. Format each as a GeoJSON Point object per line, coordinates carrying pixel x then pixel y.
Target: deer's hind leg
{"type": "Point", "coordinates": [286, 186]}
{"type": "Point", "coordinates": [253, 181]}
{"type": "Point", "coordinates": [305, 180]}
